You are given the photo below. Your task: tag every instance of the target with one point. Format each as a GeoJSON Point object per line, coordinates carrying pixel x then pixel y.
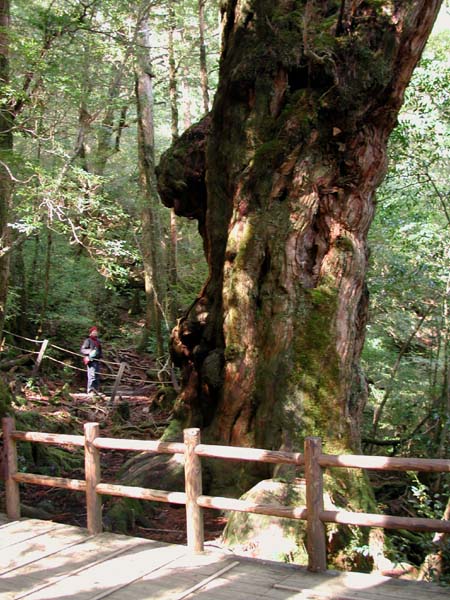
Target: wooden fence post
{"type": "Point", "coordinates": [10, 469]}
{"type": "Point", "coordinates": [315, 529]}
{"type": "Point", "coordinates": [40, 356]}
{"type": "Point", "coordinates": [193, 483]}
{"type": "Point", "coordinates": [117, 382]}
{"type": "Point", "coordinates": [93, 477]}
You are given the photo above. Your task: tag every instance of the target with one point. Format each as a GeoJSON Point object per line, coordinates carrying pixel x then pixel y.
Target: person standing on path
{"type": "Point", "coordinates": [91, 349]}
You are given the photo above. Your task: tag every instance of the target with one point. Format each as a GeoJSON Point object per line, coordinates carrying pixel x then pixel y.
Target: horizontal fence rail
{"type": "Point", "coordinates": [313, 461]}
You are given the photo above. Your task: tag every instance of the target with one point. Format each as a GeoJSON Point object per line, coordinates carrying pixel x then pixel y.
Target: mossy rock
{"type": "Point", "coordinates": [173, 431]}
{"type": "Point", "coordinates": [123, 515]}
{"type": "Point", "coordinates": [267, 537]}
{"type": "Point", "coordinates": [282, 539]}
{"type": "Point", "coordinates": [31, 420]}
{"type": "Point", "coordinates": [161, 472]}
{"type": "Point", "coordinates": [49, 460]}
{"type": "Point", "coordinates": [43, 458]}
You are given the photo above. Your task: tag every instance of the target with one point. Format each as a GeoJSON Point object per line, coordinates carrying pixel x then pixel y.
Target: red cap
{"type": "Point", "coordinates": [94, 328]}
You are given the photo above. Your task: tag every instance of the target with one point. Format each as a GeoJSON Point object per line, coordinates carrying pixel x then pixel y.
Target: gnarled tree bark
{"type": "Point", "coordinates": [281, 177]}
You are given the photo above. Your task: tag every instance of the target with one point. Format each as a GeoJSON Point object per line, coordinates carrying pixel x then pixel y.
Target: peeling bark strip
{"type": "Point", "coordinates": [309, 92]}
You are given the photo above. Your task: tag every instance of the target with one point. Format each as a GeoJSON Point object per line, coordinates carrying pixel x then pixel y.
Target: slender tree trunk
{"type": "Point", "coordinates": [203, 63]}
{"type": "Point", "coordinates": [294, 153]}
{"type": "Point", "coordinates": [444, 404]}
{"type": "Point", "coordinates": [6, 148]}
{"type": "Point", "coordinates": [186, 98]}
{"type": "Point", "coordinates": [108, 133]}
{"type": "Point", "coordinates": [46, 282]}
{"type": "Point", "coordinates": [173, 85]}
{"type": "Point", "coordinates": [172, 267]}
{"type": "Point", "coordinates": [80, 153]}
{"type": "Point", "coordinates": [105, 146]}
{"type": "Point", "coordinates": [440, 387]}
{"type": "Point", "coordinates": [84, 117]}
{"type": "Point", "coordinates": [120, 127]}
{"type": "Point", "coordinates": [151, 230]}
{"type": "Point", "coordinates": [19, 279]}
{"type": "Point", "coordinates": [33, 274]}
{"type": "Point", "coordinates": [390, 385]}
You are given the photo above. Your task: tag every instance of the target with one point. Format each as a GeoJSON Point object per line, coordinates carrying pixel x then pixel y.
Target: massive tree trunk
{"type": "Point", "coordinates": [308, 95]}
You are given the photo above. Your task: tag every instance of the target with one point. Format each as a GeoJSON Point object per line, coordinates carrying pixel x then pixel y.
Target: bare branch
{"type": "Point", "coordinates": [11, 176]}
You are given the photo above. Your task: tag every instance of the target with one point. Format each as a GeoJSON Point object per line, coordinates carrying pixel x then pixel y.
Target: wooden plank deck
{"type": "Point", "coordinates": [42, 560]}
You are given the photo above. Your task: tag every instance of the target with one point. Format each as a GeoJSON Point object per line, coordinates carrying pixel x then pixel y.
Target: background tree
{"type": "Point", "coordinates": [203, 64]}
{"type": "Point", "coordinates": [151, 230]}
{"type": "Point", "coordinates": [172, 276]}
{"type": "Point", "coordinates": [6, 146]}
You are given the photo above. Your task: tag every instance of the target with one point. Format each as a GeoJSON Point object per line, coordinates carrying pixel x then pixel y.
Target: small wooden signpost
{"type": "Point", "coordinates": [117, 382]}
{"type": "Point", "coordinates": [40, 357]}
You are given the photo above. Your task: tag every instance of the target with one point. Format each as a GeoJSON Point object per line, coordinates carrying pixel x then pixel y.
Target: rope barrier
{"type": "Point", "coordinates": [65, 350]}
{"type": "Point", "coordinates": [77, 354]}
{"type": "Point", "coordinates": [131, 380]}
{"type": "Point", "coordinates": [109, 362]}
{"type": "Point", "coordinates": [103, 375]}
{"type": "Point", "coordinates": [23, 338]}
{"type": "Point", "coordinates": [148, 369]}
{"type": "Point", "coordinates": [137, 368]}
{"type": "Point", "coordinates": [142, 382]}
{"type": "Point", "coordinates": [60, 362]}
{"type": "Point", "coordinates": [26, 350]}
{"type": "Point", "coordinates": [106, 362]}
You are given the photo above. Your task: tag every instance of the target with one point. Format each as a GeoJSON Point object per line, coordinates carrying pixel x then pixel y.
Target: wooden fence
{"type": "Point", "coordinates": [312, 460]}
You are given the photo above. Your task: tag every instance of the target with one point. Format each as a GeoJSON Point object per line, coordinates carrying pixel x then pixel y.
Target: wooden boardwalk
{"type": "Point", "coordinates": [42, 560]}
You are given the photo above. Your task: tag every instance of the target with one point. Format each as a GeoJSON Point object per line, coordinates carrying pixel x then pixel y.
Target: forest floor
{"type": "Point", "coordinates": [137, 413]}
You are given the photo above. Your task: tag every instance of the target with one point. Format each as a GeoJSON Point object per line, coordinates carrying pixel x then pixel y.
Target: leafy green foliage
{"type": "Point", "coordinates": [410, 264]}
{"type": "Point", "coordinates": [407, 346]}
{"type": "Point", "coordinates": [76, 153]}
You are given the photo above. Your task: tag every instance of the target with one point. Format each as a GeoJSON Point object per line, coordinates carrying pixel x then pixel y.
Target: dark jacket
{"type": "Point", "coordinates": [91, 344]}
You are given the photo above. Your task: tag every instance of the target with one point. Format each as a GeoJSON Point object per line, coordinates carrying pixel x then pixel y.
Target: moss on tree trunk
{"type": "Point", "coordinates": [291, 155]}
